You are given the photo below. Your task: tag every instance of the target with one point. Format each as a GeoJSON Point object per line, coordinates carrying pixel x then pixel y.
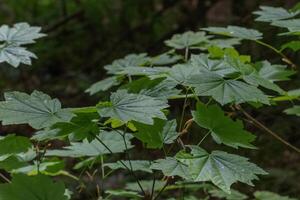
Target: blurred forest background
{"type": "Point", "coordinates": [85, 35]}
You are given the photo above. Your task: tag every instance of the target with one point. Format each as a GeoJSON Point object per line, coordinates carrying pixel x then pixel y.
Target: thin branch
{"type": "Point", "coordinates": [4, 178]}
{"type": "Point", "coordinates": [266, 129]}
{"type": "Point", "coordinates": [139, 184]}
{"type": "Point", "coordinates": [284, 57]}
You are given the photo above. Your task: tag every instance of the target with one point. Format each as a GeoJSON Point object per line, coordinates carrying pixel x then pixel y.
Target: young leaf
{"type": "Point", "coordinates": [221, 168]}
{"type": "Point", "coordinates": [154, 136]}
{"type": "Point", "coordinates": [38, 187]}
{"type": "Point", "coordinates": [37, 109]}
{"type": "Point", "coordinates": [266, 195]}
{"type": "Point", "coordinates": [236, 31]}
{"type": "Point", "coordinates": [226, 91]}
{"type": "Point", "coordinates": [270, 14]}
{"type": "Point", "coordinates": [112, 139]}
{"type": "Point", "coordinates": [103, 85]}
{"type": "Point", "coordinates": [137, 165]}
{"type": "Point", "coordinates": [223, 129]}
{"type": "Point", "coordinates": [187, 39]}
{"type": "Point", "coordinates": [137, 107]}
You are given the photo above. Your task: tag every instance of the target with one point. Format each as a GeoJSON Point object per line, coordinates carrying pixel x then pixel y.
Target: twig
{"type": "Point", "coordinates": [266, 129]}
{"type": "Point", "coordinates": [138, 182]}
{"type": "Point", "coordinates": [5, 178]}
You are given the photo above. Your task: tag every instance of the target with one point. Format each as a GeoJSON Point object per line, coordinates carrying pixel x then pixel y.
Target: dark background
{"type": "Point", "coordinates": [85, 35]}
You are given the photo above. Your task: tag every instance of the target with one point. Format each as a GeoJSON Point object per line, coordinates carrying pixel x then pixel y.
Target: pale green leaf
{"type": "Point", "coordinates": [131, 60]}
{"type": "Point", "coordinates": [236, 31]}
{"type": "Point", "coordinates": [187, 39]}
{"type": "Point", "coordinates": [270, 14]}
{"type": "Point", "coordinates": [37, 109]}
{"type": "Point", "coordinates": [221, 168]}
{"type": "Point", "coordinates": [126, 107]}
{"type": "Point", "coordinates": [103, 85]}
{"type": "Point", "coordinates": [112, 139]}
{"type": "Point", "coordinates": [273, 72]}
{"type": "Point", "coordinates": [137, 165]}
{"type": "Point", "coordinates": [171, 167]}
{"type": "Point", "coordinates": [225, 90]}
{"type": "Point", "coordinates": [20, 33]}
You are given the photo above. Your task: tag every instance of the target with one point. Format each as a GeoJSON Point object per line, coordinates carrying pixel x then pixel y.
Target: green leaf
{"type": "Point", "coordinates": [38, 187]}
{"type": "Point", "coordinates": [83, 125]}
{"type": "Point", "coordinates": [236, 32]}
{"type": "Point", "coordinates": [20, 33]}
{"type": "Point", "coordinates": [103, 85]}
{"type": "Point", "coordinates": [154, 136]}
{"type": "Point", "coordinates": [220, 194]}
{"type": "Point", "coordinates": [295, 110]}
{"type": "Point", "coordinates": [151, 72]}
{"type": "Point", "coordinates": [137, 107]}
{"type": "Point", "coordinates": [12, 144]}
{"type": "Point", "coordinates": [221, 168]}
{"type": "Point", "coordinates": [37, 109]}
{"type": "Point", "coordinates": [223, 129]}
{"type": "Point", "coordinates": [165, 59]}
{"type": "Point", "coordinates": [270, 14]}
{"type": "Point", "coordinates": [171, 167]}
{"type": "Point", "coordinates": [131, 60]}
{"type": "Point", "coordinates": [266, 195]}
{"type": "Point", "coordinates": [124, 194]}
{"type": "Point", "coordinates": [112, 139]}
{"type": "Point", "coordinates": [160, 88]}
{"type": "Point", "coordinates": [273, 72]}
{"type": "Point", "coordinates": [226, 91]}
{"type": "Point", "coordinates": [12, 162]}
{"type": "Point", "coordinates": [293, 25]}
{"type": "Point", "coordinates": [181, 73]}
{"type": "Point", "coordinates": [187, 39]}
{"type": "Point", "coordinates": [15, 55]}
{"type": "Point", "coordinates": [294, 45]}
{"type": "Point", "coordinates": [204, 64]}
{"type": "Point", "coordinates": [146, 184]}
{"type": "Point", "coordinates": [12, 38]}
{"type": "Point", "coordinates": [137, 165]}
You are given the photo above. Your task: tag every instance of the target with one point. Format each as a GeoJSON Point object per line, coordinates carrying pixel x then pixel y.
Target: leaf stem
{"type": "Point", "coordinates": [266, 129]}
{"type": "Point", "coordinates": [284, 57]}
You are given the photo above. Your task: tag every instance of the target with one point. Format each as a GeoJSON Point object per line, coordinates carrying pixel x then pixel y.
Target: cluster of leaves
{"type": "Point", "coordinates": [210, 72]}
